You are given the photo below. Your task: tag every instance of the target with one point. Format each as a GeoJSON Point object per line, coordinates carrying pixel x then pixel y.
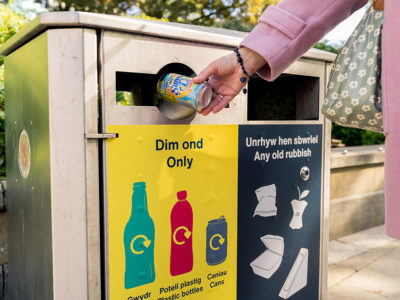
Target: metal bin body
{"type": "Point", "coordinates": [62, 74]}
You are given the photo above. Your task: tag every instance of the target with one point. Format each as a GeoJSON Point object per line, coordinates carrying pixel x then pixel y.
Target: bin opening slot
{"type": "Point", "coordinates": [136, 89]}
{"type": "Point", "coordinates": [289, 97]}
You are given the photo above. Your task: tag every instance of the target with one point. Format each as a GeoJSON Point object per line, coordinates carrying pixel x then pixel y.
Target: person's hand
{"type": "Point", "coordinates": [224, 77]}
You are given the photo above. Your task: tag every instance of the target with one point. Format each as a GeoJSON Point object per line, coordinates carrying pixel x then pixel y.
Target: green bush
{"type": "Point", "coordinates": [356, 137]}
{"type": "Point", "coordinates": [10, 23]}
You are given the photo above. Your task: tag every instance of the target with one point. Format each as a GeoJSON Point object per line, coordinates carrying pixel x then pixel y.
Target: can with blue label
{"type": "Point", "coordinates": [181, 89]}
{"type": "Point", "coordinates": [217, 241]}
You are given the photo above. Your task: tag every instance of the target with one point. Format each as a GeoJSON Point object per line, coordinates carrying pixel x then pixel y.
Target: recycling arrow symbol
{"type": "Point", "coordinates": [146, 242]}
{"type": "Point", "coordinates": [187, 235]}
{"type": "Point", "coordinates": [221, 241]}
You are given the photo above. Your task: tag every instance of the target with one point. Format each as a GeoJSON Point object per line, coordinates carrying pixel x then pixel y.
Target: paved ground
{"type": "Point", "coordinates": [364, 266]}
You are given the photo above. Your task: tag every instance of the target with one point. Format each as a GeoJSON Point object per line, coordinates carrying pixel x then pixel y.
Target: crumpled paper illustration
{"type": "Point", "coordinates": [266, 196]}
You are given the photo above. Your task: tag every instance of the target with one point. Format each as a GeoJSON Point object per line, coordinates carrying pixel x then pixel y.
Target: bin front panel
{"type": "Point", "coordinates": [249, 219]}
{"type": "Point", "coordinates": [208, 158]}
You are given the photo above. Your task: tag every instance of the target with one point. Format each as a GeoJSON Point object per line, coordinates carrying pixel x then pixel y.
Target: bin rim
{"type": "Point", "coordinates": [171, 30]}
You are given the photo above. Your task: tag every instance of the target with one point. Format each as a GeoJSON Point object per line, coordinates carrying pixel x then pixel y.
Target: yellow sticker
{"type": "Point", "coordinates": [172, 212]}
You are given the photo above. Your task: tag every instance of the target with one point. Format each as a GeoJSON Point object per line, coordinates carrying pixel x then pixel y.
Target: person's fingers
{"type": "Point", "coordinates": [223, 103]}
{"type": "Point", "coordinates": [213, 103]}
{"type": "Point", "coordinates": [210, 70]}
{"type": "Point", "coordinates": [206, 111]}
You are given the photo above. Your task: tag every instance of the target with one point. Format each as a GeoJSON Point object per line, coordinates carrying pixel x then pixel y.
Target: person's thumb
{"type": "Point", "coordinates": [210, 70]}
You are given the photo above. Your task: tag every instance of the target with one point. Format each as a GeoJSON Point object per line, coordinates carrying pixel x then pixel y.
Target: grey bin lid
{"type": "Point", "coordinates": [200, 34]}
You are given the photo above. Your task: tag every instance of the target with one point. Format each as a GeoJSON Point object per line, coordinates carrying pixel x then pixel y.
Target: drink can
{"type": "Point", "coordinates": [217, 241]}
{"type": "Point", "coordinates": [181, 89]}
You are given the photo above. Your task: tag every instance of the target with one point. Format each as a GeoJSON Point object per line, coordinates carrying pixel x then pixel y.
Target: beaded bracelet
{"type": "Point", "coordinates": [240, 60]}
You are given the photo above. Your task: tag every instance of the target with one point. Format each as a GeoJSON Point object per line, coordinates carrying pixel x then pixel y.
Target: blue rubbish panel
{"type": "Point", "coordinates": [279, 213]}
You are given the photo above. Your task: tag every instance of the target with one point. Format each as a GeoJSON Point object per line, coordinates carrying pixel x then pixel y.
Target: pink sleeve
{"type": "Point", "coordinates": [286, 31]}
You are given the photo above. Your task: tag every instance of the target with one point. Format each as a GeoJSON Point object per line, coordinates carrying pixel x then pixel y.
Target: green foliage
{"type": "Point", "coordinates": [124, 98]}
{"type": "Point", "coordinates": [234, 25]}
{"type": "Point", "coordinates": [327, 46]}
{"type": "Point", "coordinates": [234, 14]}
{"type": "Point", "coordinates": [10, 23]}
{"type": "Point", "coordinates": [356, 137]}
{"type": "Point", "coordinates": [143, 16]}
{"type": "Point", "coordinates": [115, 7]}
{"type": "Point", "coordinates": [28, 8]}
{"type": "Point", "coordinates": [199, 12]}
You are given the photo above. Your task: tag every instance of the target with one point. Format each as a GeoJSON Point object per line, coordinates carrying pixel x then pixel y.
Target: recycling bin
{"type": "Point", "coordinates": [114, 194]}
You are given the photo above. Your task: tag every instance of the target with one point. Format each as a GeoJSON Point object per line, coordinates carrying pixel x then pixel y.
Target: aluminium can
{"type": "Point", "coordinates": [181, 89]}
{"type": "Point", "coordinates": [217, 241]}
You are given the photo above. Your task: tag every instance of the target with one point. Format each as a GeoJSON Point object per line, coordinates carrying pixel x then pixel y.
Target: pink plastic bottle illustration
{"type": "Point", "coordinates": [181, 236]}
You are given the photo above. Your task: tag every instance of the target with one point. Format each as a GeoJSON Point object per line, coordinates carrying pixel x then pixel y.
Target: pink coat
{"type": "Point", "coordinates": [284, 32]}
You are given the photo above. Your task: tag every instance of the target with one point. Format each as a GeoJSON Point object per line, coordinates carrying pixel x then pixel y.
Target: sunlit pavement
{"type": "Point", "coordinates": [364, 265]}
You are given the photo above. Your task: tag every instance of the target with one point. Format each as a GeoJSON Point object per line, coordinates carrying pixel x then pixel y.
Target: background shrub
{"type": "Point", "coordinates": [10, 23]}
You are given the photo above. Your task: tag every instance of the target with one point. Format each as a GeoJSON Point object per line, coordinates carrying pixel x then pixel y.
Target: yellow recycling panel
{"type": "Point", "coordinates": [172, 212]}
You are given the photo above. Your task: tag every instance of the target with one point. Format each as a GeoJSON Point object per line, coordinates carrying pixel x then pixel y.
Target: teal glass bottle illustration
{"type": "Point", "coordinates": [139, 241]}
